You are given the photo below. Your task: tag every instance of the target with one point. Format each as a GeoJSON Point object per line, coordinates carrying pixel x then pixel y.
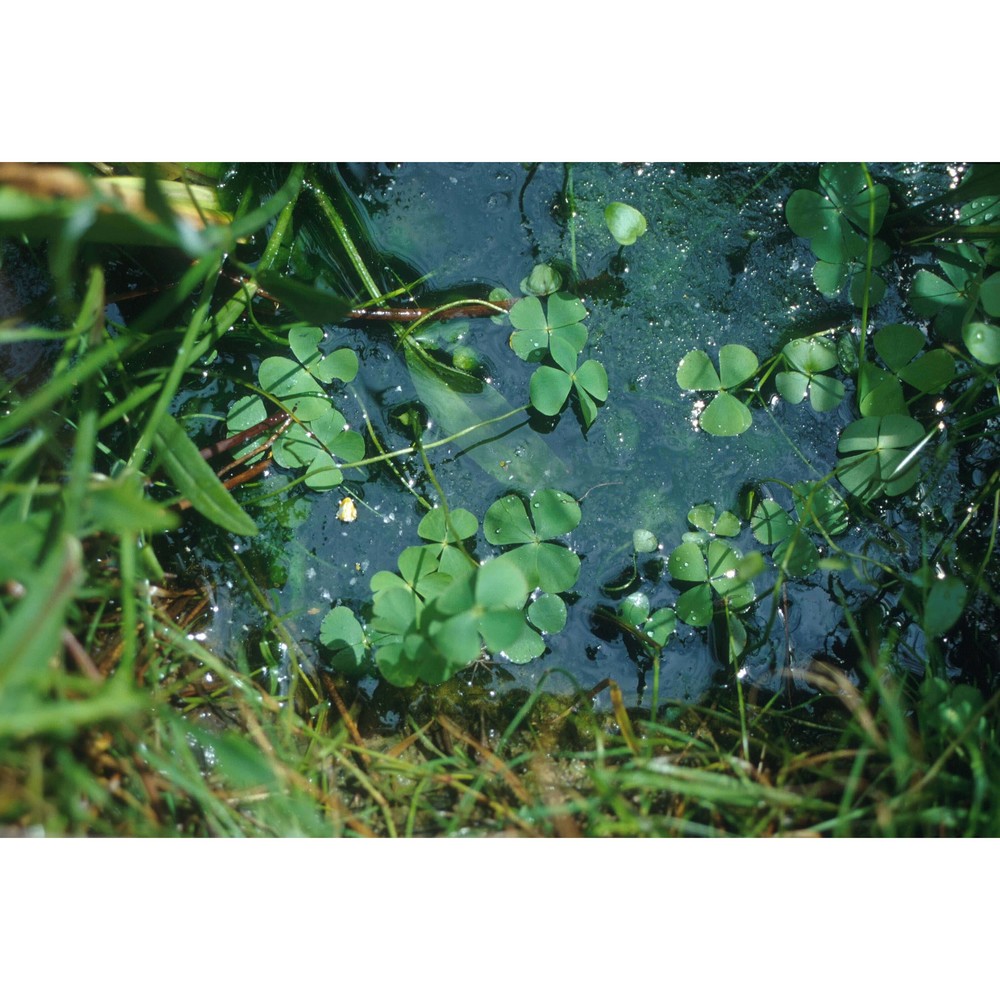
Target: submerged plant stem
{"type": "Point", "coordinates": [869, 256]}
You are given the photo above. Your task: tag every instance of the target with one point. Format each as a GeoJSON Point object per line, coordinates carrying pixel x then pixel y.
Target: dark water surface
{"type": "Point", "coordinates": [718, 265]}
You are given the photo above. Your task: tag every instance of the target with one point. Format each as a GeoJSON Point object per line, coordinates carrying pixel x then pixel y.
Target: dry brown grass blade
{"type": "Point", "coordinates": [196, 204]}
{"type": "Point", "coordinates": [403, 745]}
{"type": "Point", "coordinates": [828, 678]}
{"type": "Point", "coordinates": [338, 701]}
{"type": "Point", "coordinates": [621, 717]}
{"type": "Point", "coordinates": [487, 755]}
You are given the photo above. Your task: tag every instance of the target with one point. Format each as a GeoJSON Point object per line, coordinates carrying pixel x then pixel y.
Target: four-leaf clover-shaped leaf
{"type": "Point", "coordinates": [878, 455]}
{"type": "Point", "coordinates": [835, 220]}
{"type": "Point", "coordinates": [448, 532]}
{"type": "Point", "coordinates": [714, 567]}
{"type": "Point", "coordinates": [318, 438]}
{"type": "Point", "coordinates": [536, 334]}
{"type": "Point", "coordinates": [482, 608]}
{"type": "Point", "coordinates": [544, 564]}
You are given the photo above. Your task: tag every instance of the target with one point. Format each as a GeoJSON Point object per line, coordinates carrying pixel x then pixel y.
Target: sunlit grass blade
{"type": "Point", "coordinates": [196, 480]}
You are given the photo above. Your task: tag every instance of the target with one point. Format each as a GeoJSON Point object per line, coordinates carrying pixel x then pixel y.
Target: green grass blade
{"type": "Point", "coordinates": [196, 480]}
{"type": "Point", "coordinates": [32, 632]}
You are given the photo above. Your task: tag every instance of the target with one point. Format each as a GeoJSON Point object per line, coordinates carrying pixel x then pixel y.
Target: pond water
{"type": "Point", "coordinates": [718, 265]}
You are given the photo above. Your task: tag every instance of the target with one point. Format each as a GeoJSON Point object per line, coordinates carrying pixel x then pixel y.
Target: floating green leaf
{"type": "Point", "coordinates": [836, 221]}
{"type": "Point", "coordinates": [545, 614]}
{"type": "Point", "coordinates": [878, 455]}
{"type": "Point", "coordinates": [696, 371]}
{"type": "Point", "coordinates": [829, 277]}
{"type": "Point", "coordinates": [989, 294]}
{"type": "Point", "coordinates": [246, 412]}
{"type": "Point", "coordinates": [449, 533]}
{"type": "Point", "coordinates": [725, 415]}
{"type": "Point", "coordinates": [983, 342]}
{"type": "Point", "coordinates": [949, 299]}
{"type": "Point", "coordinates": [626, 223]}
{"type": "Point", "coordinates": [456, 526]}
{"type": "Point", "coordinates": [820, 508]}
{"type": "Point", "coordinates": [486, 603]}
{"type": "Point", "coordinates": [289, 381]}
{"type": "Point", "coordinates": [875, 283]}
{"type": "Point", "coordinates": [644, 541]}
{"type": "Point", "coordinates": [528, 645]}
{"type": "Point", "coordinates": [550, 387]}
{"type": "Point", "coordinates": [879, 391]}
{"type": "Point", "coordinates": [634, 609]}
{"type": "Point", "coordinates": [808, 357]}
{"type": "Point", "coordinates": [544, 564]}
{"type": "Point", "coordinates": [898, 346]}
{"type": "Point", "coordinates": [658, 625]}
{"type": "Point", "coordinates": [714, 567]}
{"type": "Point", "coordinates": [794, 552]}
{"type": "Point", "coordinates": [737, 364]}
{"type": "Point", "coordinates": [944, 605]}
{"type": "Point", "coordinates": [318, 445]}
{"type": "Point", "coordinates": [548, 613]}
{"type": "Point", "coordinates": [770, 524]}
{"type": "Point", "coordinates": [703, 517]}
{"type": "Point", "coordinates": [341, 364]}
{"type": "Point", "coordinates": [535, 333]}
{"type": "Point", "coordinates": [419, 572]}
{"type": "Point", "coordinates": [344, 637]}
{"type": "Point", "coordinates": [931, 372]}
{"type": "Point", "coordinates": [931, 293]}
